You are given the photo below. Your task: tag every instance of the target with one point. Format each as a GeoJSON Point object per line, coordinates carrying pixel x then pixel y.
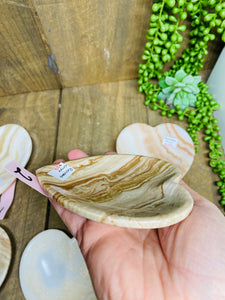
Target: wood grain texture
{"type": "Point", "coordinates": [93, 116]}
{"type": "Point", "coordinates": [102, 41]}
{"type": "Point", "coordinates": [23, 52]}
{"type": "Point", "coordinates": [37, 112]}
{"type": "Point", "coordinates": [95, 41]}
{"type": "Point", "coordinates": [90, 42]}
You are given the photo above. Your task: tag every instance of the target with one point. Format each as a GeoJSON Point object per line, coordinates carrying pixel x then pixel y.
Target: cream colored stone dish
{"type": "Point", "coordinates": [124, 190]}
{"type": "Point", "coordinates": [15, 144]}
{"type": "Point", "coordinates": [53, 268]}
{"type": "Point", "coordinates": [5, 254]}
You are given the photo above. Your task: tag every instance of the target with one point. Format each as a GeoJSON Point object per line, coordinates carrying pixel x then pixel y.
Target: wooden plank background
{"type": "Point", "coordinates": [89, 41]}
{"type": "Point", "coordinates": [95, 41]}
{"type": "Point", "coordinates": [101, 41]}
{"type": "Point", "coordinates": [37, 113]}
{"type": "Point", "coordinates": [23, 53]}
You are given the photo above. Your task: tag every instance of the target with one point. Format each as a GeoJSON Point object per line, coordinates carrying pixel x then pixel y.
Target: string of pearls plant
{"type": "Point", "coordinates": [180, 91]}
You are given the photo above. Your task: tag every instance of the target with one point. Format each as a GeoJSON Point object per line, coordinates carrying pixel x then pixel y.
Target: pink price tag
{"type": "Point", "coordinates": [7, 199]}
{"type": "Point", "coordinates": [25, 176]}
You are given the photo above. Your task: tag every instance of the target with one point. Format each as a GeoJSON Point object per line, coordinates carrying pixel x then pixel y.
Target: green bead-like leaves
{"type": "Point", "coordinates": [177, 87]}
{"type": "Point", "coordinates": [179, 90]}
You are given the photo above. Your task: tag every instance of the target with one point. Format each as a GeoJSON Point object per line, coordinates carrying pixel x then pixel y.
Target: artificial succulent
{"type": "Point", "coordinates": [179, 90]}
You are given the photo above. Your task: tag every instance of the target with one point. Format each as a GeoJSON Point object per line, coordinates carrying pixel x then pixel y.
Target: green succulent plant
{"type": "Point", "coordinates": [179, 90]}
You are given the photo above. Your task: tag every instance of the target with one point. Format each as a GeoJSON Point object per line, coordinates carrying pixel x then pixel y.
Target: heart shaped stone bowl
{"type": "Point", "coordinates": [52, 267]}
{"type": "Point", "coordinates": [5, 254]}
{"type": "Point", "coordinates": [15, 144]}
{"type": "Point", "coordinates": [125, 190]}
{"type": "Point", "coordinates": [166, 141]}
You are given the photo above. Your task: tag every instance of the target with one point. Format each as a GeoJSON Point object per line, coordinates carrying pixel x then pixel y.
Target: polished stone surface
{"type": "Point", "coordinates": [123, 190]}
{"type": "Point", "coordinates": [166, 141]}
{"type": "Point", "coordinates": [52, 267]}
{"type": "Point", "coordinates": [5, 254]}
{"type": "Point", "coordinates": [15, 144]}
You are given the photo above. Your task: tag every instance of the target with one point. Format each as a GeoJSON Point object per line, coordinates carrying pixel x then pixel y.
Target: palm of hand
{"type": "Point", "coordinates": [183, 261]}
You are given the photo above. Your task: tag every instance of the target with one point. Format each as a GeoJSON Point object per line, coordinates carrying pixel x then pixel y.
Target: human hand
{"type": "Point", "coordinates": [182, 261]}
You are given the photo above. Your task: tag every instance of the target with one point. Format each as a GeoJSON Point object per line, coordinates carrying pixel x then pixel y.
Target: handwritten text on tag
{"type": "Point", "coordinates": [61, 171]}
{"type": "Point", "coordinates": [170, 142]}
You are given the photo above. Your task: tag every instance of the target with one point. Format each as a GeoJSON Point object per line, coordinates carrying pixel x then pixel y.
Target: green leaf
{"type": "Point", "coordinates": [152, 31]}
{"type": "Point", "coordinates": [169, 102]}
{"type": "Point", "coordinates": [170, 80]}
{"type": "Point", "coordinates": [162, 84]}
{"type": "Point", "coordinates": [197, 90]}
{"type": "Point", "coordinates": [156, 7]}
{"type": "Point", "coordinates": [208, 17]}
{"type": "Point", "coordinates": [182, 28]}
{"type": "Point", "coordinates": [223, 37]}
{"type": "Point", "coordinates": [171, 98]}
{"type": "Point", "coordinates": [177, 90]}
{"type": "Point", "coordinates": [191, 89]}
{"type": "Point", "coordinates": [179, 85]}
{"type": "Point", "coordinates": [197, 79]}
{"type": "Point", "coordinates": [172, 19]}
{"type": "Point", "coordinates": [154, 18]}
{"type": "Point", "coordinates": [177, 101]}
{"type": "Point", "coordinates": [180, 75]}
{"type": "Point", "coordinates": [185, 102]}
{"type": "Point", "coordinates": [158, 49]}
{"type": "Point", "coordinates": [192, 98]}
{"type": "Point", "coordinates": [188, 79]}
{"type": "Point", "coordinates": [188, 89]}
{"type": "Point", "coordinates": [168, 90]}
{"type": "Point", "coordinates": [162, 96]}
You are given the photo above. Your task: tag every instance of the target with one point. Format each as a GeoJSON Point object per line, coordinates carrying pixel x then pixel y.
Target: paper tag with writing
{"type": "Point", "coordinates": [170, 142]}
{"type": "Point", "coordinates": [61, 171]}
{"type": "Point", "coordinates": [25, 176]}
